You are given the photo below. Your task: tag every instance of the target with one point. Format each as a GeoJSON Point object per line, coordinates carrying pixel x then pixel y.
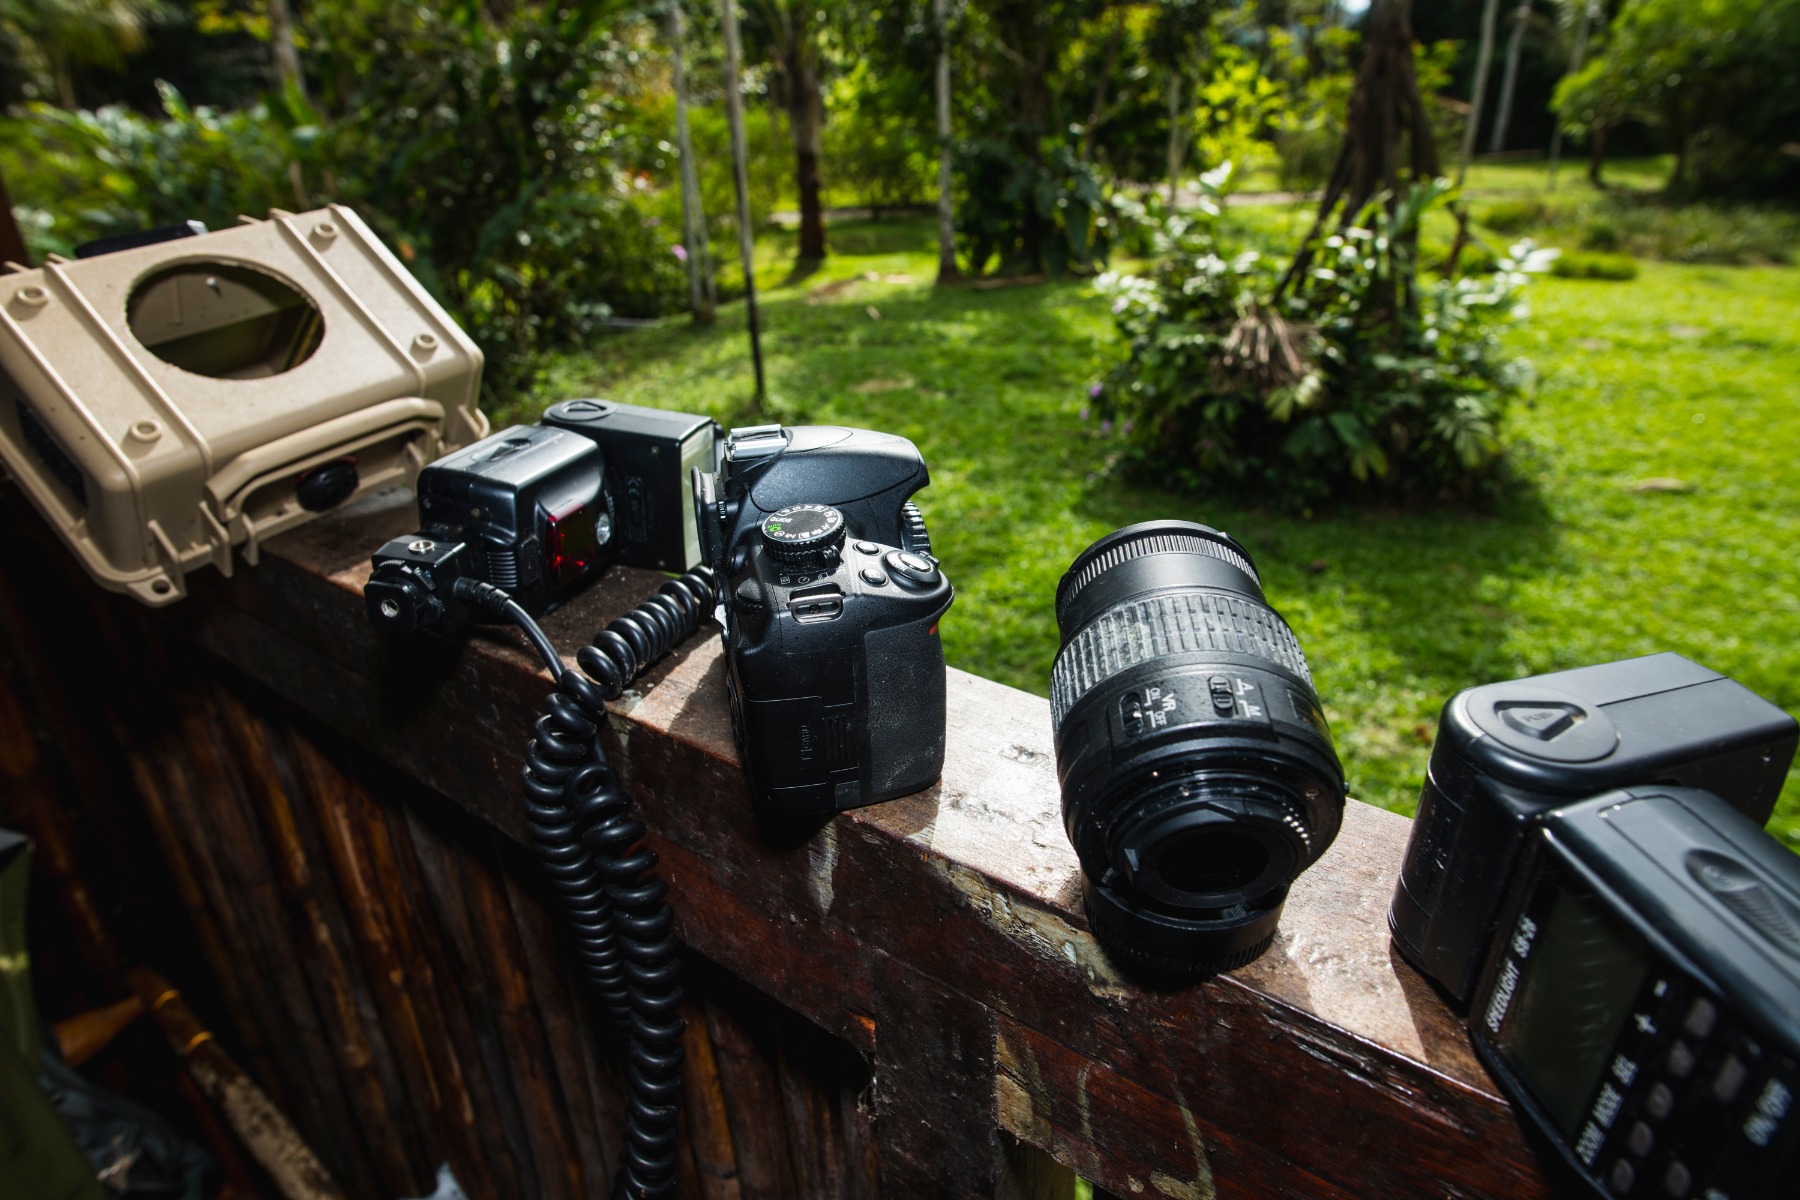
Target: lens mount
{"type": "Point", "coordinates": [1209, 841]}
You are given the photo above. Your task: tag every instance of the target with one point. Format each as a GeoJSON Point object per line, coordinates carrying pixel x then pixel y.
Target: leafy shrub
{"type": "Point", "coordinates": [1475, 259]}
{"type": "Point", "coordinates": [1650, 227]}
{"type": "Point", "coordinates": [1049, 215]}
{"type": "Point", "coordinates": [1515, 216]}
{"type": "Point", "coordinates": [881, 153]}
{"type": "Point", "coordinates": [1601, 234]}
{"type": "Point", "coordinates": [1344, 388]}
{"type": "Point", "coordinates": [113, 171]}
{"type": "Point", "coordinates": [1727, 235]}
{"type": "Point", "coordinates": [1595, 266]}
{"type": "Point", "coordinates": [481, 147]}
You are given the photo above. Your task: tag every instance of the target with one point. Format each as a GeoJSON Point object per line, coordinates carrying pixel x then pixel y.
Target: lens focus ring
{"type": "Point", "coordinates": [1177, 623]}
{"type": "Point", "coordinates": [1138, 547]}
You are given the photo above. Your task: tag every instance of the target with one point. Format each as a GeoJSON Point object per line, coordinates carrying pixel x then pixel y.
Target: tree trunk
{"type": "Point", "coordinates": [1489, 12]}
{"type": "Point", "coordinates": [1510, 80]}
{"type": "Point", "coordinates": [1575, 56]}
{"type": "Point", "coordinates": [1097, 112]}
{"type": "Point", "coordinates": [1034, 229]}
{"type": "Point", "coordinates": [12, 242]}
{"type": "Point", "coordinates": [693, 217]}
{"type": "Point", "coordinates": [64, 75]}
{"type": "Point", "coordinates": [1385, 106]}
{"type": "Point", "coordinates": [947, 269]}
{"type": "Point", "coordinates": [1597, 155]}
{"type": "Point", "coordinates": [1176, 141]}
{"type": "Point", "coordinates": [805, 117]}
{"type": "Point", "coordinates": [281, 39]}
{"type": "Point", "coordinates": [1676, 121]}
{"type": "Point", "coordinates": [734, 105]}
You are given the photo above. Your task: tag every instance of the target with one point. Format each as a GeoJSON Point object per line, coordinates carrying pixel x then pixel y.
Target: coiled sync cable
{"type": "Point", "coordinates": [588, 835]}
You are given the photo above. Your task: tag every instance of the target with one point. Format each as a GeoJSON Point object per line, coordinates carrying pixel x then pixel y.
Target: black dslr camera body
{"type": "Point", "coordinates": [1507, 754]}
{"type": "Point", "coordinates": [1640, 1005]}
{"type": "Point", "coordinates": [536, 509]}
{"type": "Point", "coordinates": [832, 601]}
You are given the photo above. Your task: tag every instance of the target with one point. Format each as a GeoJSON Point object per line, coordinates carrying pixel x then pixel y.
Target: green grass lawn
{"type": "Point", "coordinates": [1524, 175]}
{"type": "Point", "coordinates": [1688, 374]}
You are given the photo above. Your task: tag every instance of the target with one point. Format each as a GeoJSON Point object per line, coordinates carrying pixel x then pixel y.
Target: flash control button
{"type": "Point", "coordinates": [1659, 1101]}
{"type": "Point", "coordinates": [872, 577]}
{"type": "Point", "coordinates": [1730, 1080]}
{"type": "Point", "coordinates": [1541, 721]}
{"type": "Point", "coordinates": [1702, 1015]}
{"type": "Point", "coordinates": [1742, 890]}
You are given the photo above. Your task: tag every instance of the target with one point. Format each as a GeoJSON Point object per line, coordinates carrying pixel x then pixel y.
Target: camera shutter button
{"type": "Point", "coordinates": [909, 567]}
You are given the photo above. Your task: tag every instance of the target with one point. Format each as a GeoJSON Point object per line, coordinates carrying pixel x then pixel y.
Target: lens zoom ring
{"type": "Point", "coordinates": [1174, 623]}
{"type": "Point", "coordinates": [1161, 543]}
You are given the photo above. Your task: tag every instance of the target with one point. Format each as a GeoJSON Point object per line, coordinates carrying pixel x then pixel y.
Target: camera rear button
{"type": "Point", "coordinates": [1677, 1180]}
{"type": "Point", "coordinates": [1730, 1080]}
{"type": "Point", "coordinates": [872, 577]}
{"type": "Point", "coordinates": [1659, 1101]}
{"type": "Point", "coordinates": [1702, 1015]}
{"type": "Point", "coordinates": [1621, 1177]}
{"type": "Point", "coordinates": [1641, 1140]}
{"type": "Point", "coordinates": [1681, 1060]}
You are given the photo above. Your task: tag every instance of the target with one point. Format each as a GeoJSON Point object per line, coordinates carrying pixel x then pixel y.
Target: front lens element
{"type": "Point", "coordinates": [1198, 775]}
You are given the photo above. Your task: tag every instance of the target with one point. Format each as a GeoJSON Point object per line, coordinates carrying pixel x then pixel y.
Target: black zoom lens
{"type": "Point", "coordinates": [1198, 775]}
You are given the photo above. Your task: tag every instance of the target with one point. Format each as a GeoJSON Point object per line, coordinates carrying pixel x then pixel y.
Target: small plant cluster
{"type": "Point", "coordinates": [1586, 265]}
{"type": "Point", "coordinates": [1725, 235]}
{"type": "Point", "coordinates": [1367, 378]}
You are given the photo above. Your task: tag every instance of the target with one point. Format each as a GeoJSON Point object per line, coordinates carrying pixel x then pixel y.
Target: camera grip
{"type": "Point", "coordinates": [906, 704]}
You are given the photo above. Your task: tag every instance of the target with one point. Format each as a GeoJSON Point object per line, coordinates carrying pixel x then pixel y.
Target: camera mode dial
{"type": "Point", "coordinates": [804, 535]}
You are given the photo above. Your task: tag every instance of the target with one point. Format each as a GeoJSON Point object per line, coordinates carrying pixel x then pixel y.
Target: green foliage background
{"type": "Point", "coordinates": [1655, 510]}
{"type": "Point", "coordinates": [518, 158]}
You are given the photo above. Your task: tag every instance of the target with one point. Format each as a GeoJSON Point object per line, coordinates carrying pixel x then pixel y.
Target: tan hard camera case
{"type": "Point", "coordinates": [302, 342]}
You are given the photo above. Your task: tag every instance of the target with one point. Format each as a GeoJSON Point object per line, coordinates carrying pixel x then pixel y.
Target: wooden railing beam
{"type": "Point", "coordinates": [941, 935]}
